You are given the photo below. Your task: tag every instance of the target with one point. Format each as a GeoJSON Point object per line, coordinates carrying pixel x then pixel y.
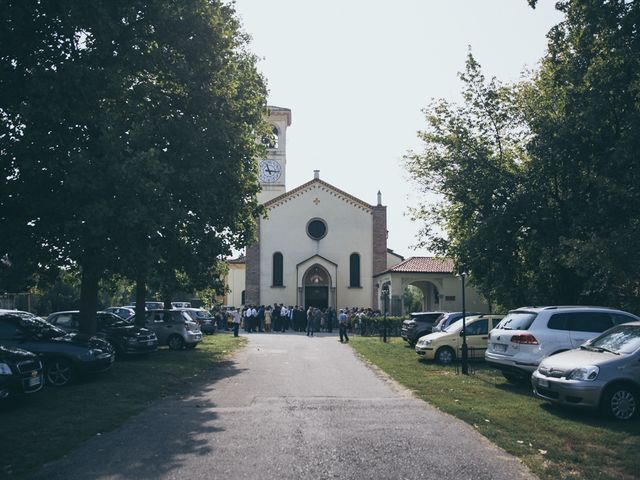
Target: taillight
{"type": "Point", "coordinates": [526, 339]}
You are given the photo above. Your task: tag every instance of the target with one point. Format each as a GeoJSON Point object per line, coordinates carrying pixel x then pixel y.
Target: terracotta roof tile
{"type": "Point", "coordinates": [424, 265]}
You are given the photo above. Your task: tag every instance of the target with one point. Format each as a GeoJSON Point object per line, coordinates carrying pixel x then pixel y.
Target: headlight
{"type": "Point", "coordinates": [586, 373]}
{"type": "Point", "coordinates": [424, 343]}
{"type": "Point", "coordinates": [5, 369]}
{"type": "Point", "coordinates": [96, 351]}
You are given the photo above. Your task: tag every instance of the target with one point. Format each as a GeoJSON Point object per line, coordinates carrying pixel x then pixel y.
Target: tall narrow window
{"type": "Point", "coordinates": [354, 270]}
{"type": "Point", "coordinates": [277, 270]}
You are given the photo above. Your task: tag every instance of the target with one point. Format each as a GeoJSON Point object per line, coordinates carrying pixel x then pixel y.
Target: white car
{"type": "Point", "coordinates": [527, 335]}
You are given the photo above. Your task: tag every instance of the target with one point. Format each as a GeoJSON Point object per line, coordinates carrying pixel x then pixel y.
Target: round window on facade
{"type": "Point", "coordinates": [316, 229]}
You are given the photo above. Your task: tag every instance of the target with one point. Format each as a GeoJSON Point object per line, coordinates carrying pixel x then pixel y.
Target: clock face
{"type": "Point", "coordinates": [270, 171]}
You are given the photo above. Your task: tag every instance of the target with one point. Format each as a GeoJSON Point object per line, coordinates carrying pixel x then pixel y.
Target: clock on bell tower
{"type": "Point", "coordinates": [272, 170]}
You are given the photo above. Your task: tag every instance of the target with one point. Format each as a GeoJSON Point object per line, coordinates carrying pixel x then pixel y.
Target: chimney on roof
{"type": "Point", "coordinates": [379, 198]}
{"type": "Point", "coordinates": [316, 174]}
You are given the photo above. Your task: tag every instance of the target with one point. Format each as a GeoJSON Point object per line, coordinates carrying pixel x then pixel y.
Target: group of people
{"type": "Point", "coordinates": [280, 318]}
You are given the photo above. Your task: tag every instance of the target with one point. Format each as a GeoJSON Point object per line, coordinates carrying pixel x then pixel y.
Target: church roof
{"type": "Point", "coordinates": [315, 183]}
{"type": "Point", "coordinates": [240, 259]}
{"type": "Point", "coordinates": [423, 265]}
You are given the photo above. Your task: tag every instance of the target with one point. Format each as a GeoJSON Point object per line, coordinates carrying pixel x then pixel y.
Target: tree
{"type": "Point", "coordinates": [584, 116]}
{"type": "Point", "coordinates": [539, 179]}
{"type": "Point", "coordinates": [117, 118]}
{"type": "Point", "coordinates": [412, 299]}
{"type": "Point", "coordinates": [473, 158]}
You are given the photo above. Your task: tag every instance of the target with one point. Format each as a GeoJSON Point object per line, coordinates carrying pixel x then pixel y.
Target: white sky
{"type": "Point", "coordinates": [356, 74]}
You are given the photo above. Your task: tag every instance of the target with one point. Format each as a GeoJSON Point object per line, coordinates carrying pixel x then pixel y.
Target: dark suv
{"type": "Point", "coordinates": [418, 325]}
{"type": "Point", "coordinates": [65, 356]}
{"type": "Point", "coordinates": [20, 372]}
{"type": "Point", "coordinates": [126, 338]}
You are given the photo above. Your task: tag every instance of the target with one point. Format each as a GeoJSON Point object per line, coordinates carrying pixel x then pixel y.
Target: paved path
{"type": "Point", "coordinates": [291, 407]}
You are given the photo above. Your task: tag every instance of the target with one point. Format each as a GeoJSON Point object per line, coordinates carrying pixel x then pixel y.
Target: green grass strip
{"type": "Point", "coordinates": [45, 426]}
{"type": "Point", "coordinates": [554, 442]}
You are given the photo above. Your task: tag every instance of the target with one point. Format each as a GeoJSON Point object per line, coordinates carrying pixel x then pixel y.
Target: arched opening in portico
{"type": "Point", "coordinates": [431, 297]}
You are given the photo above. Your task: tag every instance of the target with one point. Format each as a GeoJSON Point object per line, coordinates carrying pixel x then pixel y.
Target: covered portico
{"type": "Point", "coordinates": [435, 277]}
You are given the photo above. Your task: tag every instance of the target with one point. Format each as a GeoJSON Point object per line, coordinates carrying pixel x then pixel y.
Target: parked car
{"type": "Point", "coordinates": [175, 328]}
{"type": "Point", "coordinates": [66, 356]}
{"type": "Point", "coordinates": [122, 312]}
{"type": "Point", "coordinates": [603, 373]}
{"type": "Point", "coordinates": [446, 346]}
{"type": "Point", "coordinates": [153, 305]}
{"type": "Point", "coordinates": [125, 337]}
{"type": "Point", "coordinates": [21, 373]}
{"type": "Point", "coordinates": [181, 304]}
{"type": "Point", "coordinates": [204, 318]}
{"type": "Point", "coordinates": [419, 324]}
{"type": "Point", "coordinates": [450, 318]}
{"type": "Point", "coordinates": [527, 335]}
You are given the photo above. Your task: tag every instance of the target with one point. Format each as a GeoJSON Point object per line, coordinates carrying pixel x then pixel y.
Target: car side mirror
{"type": "Point", "coordinates": [461, 333]}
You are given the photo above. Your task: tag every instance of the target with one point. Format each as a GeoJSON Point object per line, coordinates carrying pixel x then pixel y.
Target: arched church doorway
{"type": "Point", "coordinates": [316, 286]}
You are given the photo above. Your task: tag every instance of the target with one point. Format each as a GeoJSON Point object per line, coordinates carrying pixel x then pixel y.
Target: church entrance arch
{"type": "Point", "coordinates": [316, 282]}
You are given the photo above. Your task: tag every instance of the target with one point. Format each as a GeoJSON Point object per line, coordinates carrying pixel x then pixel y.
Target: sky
{"type": "Point", "coordinates": [356, 75]}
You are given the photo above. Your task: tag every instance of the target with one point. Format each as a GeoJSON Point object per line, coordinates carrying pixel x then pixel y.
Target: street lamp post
{"type": "Point", "coordinates": [385, 298]}
{"type": "Point", "coordinates": [465, 348]}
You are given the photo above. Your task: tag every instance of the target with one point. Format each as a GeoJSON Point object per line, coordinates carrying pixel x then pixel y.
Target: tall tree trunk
{"type": "Point", "coordinates": [141, 292]}
{"type": "Point", "coordinates": [89, 297]}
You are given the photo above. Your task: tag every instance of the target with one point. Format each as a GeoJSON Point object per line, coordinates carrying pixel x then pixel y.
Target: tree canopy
{"type": "Point", "coordinates": [539, 179]}
{"type": "Point", "coordinates": [126, 127]}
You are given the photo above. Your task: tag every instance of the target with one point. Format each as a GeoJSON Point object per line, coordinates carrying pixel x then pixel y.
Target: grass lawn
{"type": "Point", "coordinates": [47, 425]}
{"type": "Point", "coordinates": [555, 443]}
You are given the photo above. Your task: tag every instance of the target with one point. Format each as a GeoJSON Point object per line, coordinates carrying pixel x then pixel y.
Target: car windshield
{"type": "Point", "coordinates": [40, 328]}
{"type": "Point", "coordinates": [620, 339]}
{"type": "Point", "coordinates": [454, 327]}
{"type": "Point", "coordinates": [517, 321]}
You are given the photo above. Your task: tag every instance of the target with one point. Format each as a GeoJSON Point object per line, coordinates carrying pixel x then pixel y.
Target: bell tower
{"type": "Point", "coordinates": [272, 169]}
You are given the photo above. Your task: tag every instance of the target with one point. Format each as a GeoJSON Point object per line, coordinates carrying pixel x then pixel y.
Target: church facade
{"type": "Point", "coordinates": [318, 246]}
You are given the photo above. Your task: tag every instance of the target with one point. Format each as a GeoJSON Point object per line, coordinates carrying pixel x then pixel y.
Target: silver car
{"type": "Point", "coordinates": [603, 373]}
{"type": "Point", "coordinates": [175, 328]}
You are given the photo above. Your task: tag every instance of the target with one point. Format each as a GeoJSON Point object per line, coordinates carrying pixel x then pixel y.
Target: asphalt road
{"type": "Point", "coordinates": [291, 407]}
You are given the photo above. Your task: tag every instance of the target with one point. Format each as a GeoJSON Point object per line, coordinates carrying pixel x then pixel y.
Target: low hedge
{"type": "Point", "coordinates": [374, 326]}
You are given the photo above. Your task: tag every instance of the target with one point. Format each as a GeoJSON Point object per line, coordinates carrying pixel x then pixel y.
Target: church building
{"type": "Point", "coordinates": [320, 246]}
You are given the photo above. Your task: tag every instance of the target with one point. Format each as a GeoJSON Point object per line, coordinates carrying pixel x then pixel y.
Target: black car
{"type": "Point", "coordinates": [21, 372]}
{"type": "Point", "coordinates": [420, 323]}
{"type": "Point", "coordinates": [206, 321]}
{"type": "Point", "coordinates": [65, 356]}
{"type": "Point", "coordinates": [125, 337]}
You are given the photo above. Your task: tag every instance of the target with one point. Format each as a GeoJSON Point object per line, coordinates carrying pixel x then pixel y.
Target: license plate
{"type": "Point", "coordinates": [543, 383]}
{"type": "Point", "coordinates": [32, 382]}
{"type": "Point", "coordinates": [499, 347]}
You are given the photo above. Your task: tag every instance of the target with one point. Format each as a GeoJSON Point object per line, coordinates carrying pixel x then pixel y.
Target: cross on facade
{"type": "Point", "coordinates": [316, 201]}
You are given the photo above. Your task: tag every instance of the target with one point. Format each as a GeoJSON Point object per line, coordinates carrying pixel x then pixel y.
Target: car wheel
{"type": "Point", "coordinates": [620, 402]}
{"type": "Point", "coordinates": [176, 342]}
{"type": "Point", "coordinates": [60, 372]}
{"type": "Point", "coordinates": [445, 356]}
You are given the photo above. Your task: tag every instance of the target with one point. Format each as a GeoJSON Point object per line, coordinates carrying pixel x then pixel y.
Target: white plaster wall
{"type": "Point", "coordinates": [235, 280]}
{"type": "Point", "coordinates": [349, 230]}
{"type": "Point", "coordinates": [473, 300]}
